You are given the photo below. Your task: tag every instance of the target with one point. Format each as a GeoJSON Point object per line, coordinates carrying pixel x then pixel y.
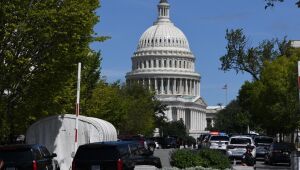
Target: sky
{"type": "Point", "coordinates": [204, 22]}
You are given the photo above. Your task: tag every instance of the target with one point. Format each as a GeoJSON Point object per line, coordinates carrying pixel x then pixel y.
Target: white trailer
{"type": "Point", "coordinates": [57, 133]}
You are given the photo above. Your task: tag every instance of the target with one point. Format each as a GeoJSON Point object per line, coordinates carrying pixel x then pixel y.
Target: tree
{"type": "Point", "coordinates": [242, 58]}
{"type": "Point", "coordinates": [174, 128]}
{"type": "Point", "coordinates": [273, 100]}
{"type": "Point", "coordinates": [41, 43]}
{"type": "Point", "coordinates": [232, 119]}
{"type": "Point", "coordinates": [131, 109]}
{"type": "Point", "coordinates": [270, 3]}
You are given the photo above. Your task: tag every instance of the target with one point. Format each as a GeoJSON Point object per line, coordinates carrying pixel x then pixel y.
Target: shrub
{"type": "Point", "coordinates": [186, 158]}
{"type": "Point", "coordinates": [214, 159]}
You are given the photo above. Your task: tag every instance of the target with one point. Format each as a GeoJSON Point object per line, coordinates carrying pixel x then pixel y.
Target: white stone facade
{"type": "Point", "coordinates": [164, 63]}
{"type": "Point", "coordinates": [295, 43]}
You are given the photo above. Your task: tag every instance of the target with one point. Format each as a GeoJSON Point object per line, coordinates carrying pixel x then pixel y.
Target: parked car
{"type": "Point", "coordinates": [120, 155]}
{"type": "Point", "coordinates": [237, 147]}
{"type": "Point", "coordinates": [262, 144]}
{"type": "Point", "coordinates": [169, 142]}
{"type": "Point", "coordinates": [218, 142]}
{"type": "Point", "coordinates": [279, 153]}
{"type": "Point", "coordinates": [200, 140]}
{"type": "Point", "coordinates": [27, 157]}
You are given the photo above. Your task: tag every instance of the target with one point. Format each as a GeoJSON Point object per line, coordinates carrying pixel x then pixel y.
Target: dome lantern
{"type": "Point", "coordinates": [163, 11]}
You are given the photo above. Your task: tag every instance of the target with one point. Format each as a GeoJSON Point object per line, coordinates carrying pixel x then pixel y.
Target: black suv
{"type": "Point", "coordinates": [120, 155]}
{"type": "Point", "coordinates": [27, 157]}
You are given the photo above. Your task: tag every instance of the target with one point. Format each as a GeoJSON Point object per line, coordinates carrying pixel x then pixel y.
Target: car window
{"type": "Point", "coordinates": [101, 153]}
{"type": "Point", "coordinates": [263, 140]}
{"type": "Point", "coordinates": [240, 141]}
{"type": "Point", "coordinates": [289, 147]}
{"type": "Point", "coordinates": [219, 138]}
{"type": "Point", "coordinates": [16, 154]}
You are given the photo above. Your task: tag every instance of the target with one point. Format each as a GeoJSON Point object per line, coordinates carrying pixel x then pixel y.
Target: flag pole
{"type": "Point", "coordinates": [225, 88]}
{"type": "Point", "coordinates": [77, 107]}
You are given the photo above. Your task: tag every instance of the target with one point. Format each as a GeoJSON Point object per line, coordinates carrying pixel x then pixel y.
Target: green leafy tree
{"type": "Point", "coordinates": [270, 3]}
{"type": "Point", "coordinates": [240, 57]}
{"type": "Point", "coordinates": [41, 43]}
{"type": "Point", "coordinates": [131, 109]}
{"type": "Point", "coordinates": [233, 119]}
{"type": "Point", "coordinates": [174, 128]}
{"type": "Point", "coordinates": [273, 100]}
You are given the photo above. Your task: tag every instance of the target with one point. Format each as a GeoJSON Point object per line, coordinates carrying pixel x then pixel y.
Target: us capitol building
{"type": "Point", "coordinates": [164, 62]}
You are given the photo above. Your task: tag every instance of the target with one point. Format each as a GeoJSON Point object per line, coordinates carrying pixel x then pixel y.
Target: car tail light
{"type": "Point", "coordinates": [120, 164]}
{"type": "Point", "coordinates": [73, 165]}
{"type": "Point", "coordinates": [34, 165]}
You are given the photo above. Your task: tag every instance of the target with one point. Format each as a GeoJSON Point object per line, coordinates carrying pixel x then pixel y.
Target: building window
{"type": "Point", "coordinates": [170, 63]}
{"type": "Point", "coordinates": [159, 63]}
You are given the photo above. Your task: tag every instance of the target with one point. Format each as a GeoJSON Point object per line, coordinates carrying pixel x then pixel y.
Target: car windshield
{"type": "Point", "coordinates": [240, 141]}
{"type": "Point", "coordinates": [219, 138]}
{"type": "Point", "coordinates": [264, 140]}
{"type": "Point", "coordinates": [16, 154]}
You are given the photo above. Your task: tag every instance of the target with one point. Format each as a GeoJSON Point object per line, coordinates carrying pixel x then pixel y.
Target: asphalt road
{"type": "Point", "coordinates": [261, 166]}
{"type": "Point", "coordinates": [164, 155]}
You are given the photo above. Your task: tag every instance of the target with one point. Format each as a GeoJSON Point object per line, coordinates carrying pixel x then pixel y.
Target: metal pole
{"type": "Point", "coordinates": [77, 107]}
{"type": "Point", "coordinates": [297, 140]}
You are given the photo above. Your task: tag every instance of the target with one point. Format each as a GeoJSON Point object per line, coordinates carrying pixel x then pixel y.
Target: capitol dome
{"type": "Point", "coordinates": [163, 34]}
{"type": "Point", "coordinates": [164, 63]}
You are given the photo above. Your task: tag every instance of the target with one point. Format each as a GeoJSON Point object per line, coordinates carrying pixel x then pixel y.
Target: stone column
{"type": "Point", "coordinates": [190, 90]}
{"type": "Point", "coordinates": [186, 87]}
{"type": "Point", "coordinates": [155, 84]}
{"type": "Point", "coordinates": [180, 86]}
{"type": "Point", "coordinates": [174, 86]}
{"type": "Point", "coordinates": [168, 88]}
{"type": "Point", "coordinates": [162, 86]}
{"type": "Point", "coordinates": [149, 83]}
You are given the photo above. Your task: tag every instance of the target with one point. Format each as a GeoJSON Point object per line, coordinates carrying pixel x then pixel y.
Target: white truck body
{"type": "Point", "coordinates": [57, 133]}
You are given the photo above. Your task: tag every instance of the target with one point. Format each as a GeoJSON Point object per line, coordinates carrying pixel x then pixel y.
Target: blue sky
{"type": "Point", "coordinates": [204, 23]}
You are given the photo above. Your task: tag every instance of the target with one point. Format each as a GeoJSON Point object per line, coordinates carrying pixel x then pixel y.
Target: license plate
{"type": "Point", "coordinates": [95, 167]}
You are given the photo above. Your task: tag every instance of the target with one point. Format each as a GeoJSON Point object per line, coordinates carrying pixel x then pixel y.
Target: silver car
{"type": "Point", "coordinates": [237, 147]}
{"type": "Point", "coordinates": [219, 142]}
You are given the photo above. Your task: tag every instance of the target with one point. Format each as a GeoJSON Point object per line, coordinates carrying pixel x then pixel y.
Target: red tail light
{"type": "Point", "coordinates": [120, 164]}
{"type": "Point", "coordinates": [73, 165]}
{"type": "Point", "coordinates": [34, 165]}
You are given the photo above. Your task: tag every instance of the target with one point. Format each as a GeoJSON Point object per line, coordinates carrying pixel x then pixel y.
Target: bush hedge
{"type": "Point", "coordinates": [185, 158]}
